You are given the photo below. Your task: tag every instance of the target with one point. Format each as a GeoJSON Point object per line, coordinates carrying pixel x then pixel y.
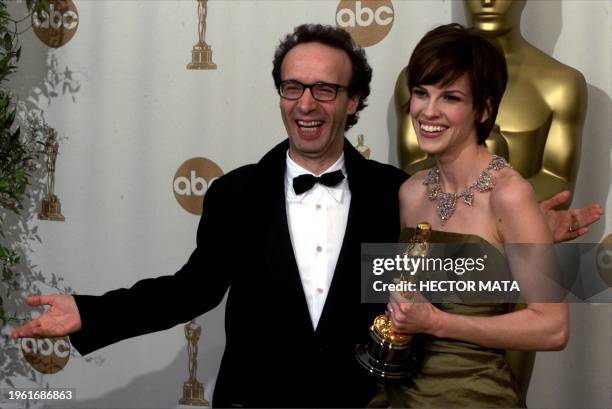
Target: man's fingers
{"type": "Point", "coordinates": [28, 330]}
{"type": "Point", "coordinates": [556, 200]}
{"type": "Point", "coordinates": [588, 215]}
{"type": "Point", "coordinates": [570, 235]}
{"type": "Point", "coordinates": [579, 219]}
{"type": "Point", "coordinates": [33, 300]}
{"type": "Point", "coordinates": [35, 329]}
{"type": "Point", "coordinates": [38, 300]}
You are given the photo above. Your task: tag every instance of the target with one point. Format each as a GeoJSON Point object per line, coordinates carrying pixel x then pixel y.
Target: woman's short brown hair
{"type": "Point", "coordinates": [446, 53]}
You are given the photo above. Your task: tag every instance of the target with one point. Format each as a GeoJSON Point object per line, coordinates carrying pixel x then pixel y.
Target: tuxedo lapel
{"type": "Point", "coordinates": [282, 265]}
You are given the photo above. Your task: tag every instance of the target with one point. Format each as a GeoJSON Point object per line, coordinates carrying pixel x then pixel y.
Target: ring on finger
{"type": "Point", "coordinates": [573, 226]}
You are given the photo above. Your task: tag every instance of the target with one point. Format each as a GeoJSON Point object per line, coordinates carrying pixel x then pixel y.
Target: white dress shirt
{"type": "Point", "coordinates": [317, 222]}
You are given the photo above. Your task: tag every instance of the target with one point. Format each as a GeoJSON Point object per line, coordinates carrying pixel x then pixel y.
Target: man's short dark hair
{"type": "Point", "coordinates": [446, 53]}
{"type": "Point", "coordinates": [337, 38]}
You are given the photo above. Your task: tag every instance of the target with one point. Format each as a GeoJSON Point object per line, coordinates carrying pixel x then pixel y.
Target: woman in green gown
{"type": "Point", "coordinates": [457, 79]}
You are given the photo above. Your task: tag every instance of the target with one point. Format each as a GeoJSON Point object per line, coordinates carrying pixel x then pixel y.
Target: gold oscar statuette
{"type": "Point", "coordinates": [193, 391]}
{"type": "Point", "coordinates": [201, 54]}
{"type": "Point", "coordinates": [51, 208]}
{"type": "Point", "coordinates": [387, 354]}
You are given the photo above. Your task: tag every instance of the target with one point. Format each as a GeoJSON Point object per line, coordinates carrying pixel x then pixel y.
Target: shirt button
{"type": "Point", "coordinates": [319, 291]}
{"type": "Point", "coordinates": [318, 206]}
{"type": "Point", "coordinates": [319, 249]}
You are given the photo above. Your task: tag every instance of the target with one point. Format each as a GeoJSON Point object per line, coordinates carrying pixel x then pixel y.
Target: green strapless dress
{"type": "Point", "coordinates": [456, 374]}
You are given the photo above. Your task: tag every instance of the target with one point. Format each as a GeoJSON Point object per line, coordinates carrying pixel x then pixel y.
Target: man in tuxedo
{"type": "Point", "coordinates": [284, 242]}
{"type": "Point", "coordinates": [284, 236]}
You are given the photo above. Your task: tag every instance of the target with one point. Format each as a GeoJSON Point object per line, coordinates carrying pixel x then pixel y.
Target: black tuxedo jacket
{"type": "Point", "coordinates": [273, 357]}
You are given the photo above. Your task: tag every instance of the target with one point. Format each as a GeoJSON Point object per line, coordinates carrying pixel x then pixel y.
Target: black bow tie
{"type": "Point", "coordinates": [305, 182]}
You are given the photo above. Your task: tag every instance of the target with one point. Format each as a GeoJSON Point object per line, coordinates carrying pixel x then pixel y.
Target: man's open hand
{"type": "Point", "coordinates": [62, 317]}
{"type": "Point", "coordinates": [567, 225]}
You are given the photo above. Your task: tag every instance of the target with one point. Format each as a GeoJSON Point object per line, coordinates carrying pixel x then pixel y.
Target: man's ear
{"type": "Point", "coordinates": [353, 103]}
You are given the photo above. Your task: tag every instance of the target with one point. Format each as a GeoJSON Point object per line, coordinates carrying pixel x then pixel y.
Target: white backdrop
{"type": "Point", "coordinates": [129, 114]}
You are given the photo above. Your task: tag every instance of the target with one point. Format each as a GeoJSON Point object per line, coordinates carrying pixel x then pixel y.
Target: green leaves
{"type": "Point", "coordinates": [37, 6]}
{"type": "Point", "coordinates": [17, 157]}
{"type": "Point", "coordinates": [8, 42]}
{"type": "Point", "coordinates": [17, 161]}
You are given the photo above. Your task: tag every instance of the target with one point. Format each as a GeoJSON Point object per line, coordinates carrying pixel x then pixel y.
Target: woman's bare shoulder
{"type": "Point", "coordinates": [516, 211]}
{"type": "Point", "coordinates": [512, 192]}
{"type": "Point", "coordinates": [414, 183]}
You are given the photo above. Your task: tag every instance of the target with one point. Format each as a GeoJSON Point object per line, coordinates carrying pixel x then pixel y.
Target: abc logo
{"type": "Point", "coordinates": [604, 260]}
{"type": "Point", "coordinates": [47, 355]}
{"type": "Point", "coordinates": [368, 21]}
{"type": "Point", "coordinates": [56, 25]}
{"type": "Point", "coordinates": [192, 180]}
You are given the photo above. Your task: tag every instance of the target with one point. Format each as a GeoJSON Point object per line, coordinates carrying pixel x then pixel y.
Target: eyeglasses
{"type": "Point", "coordinates": [320, 91]}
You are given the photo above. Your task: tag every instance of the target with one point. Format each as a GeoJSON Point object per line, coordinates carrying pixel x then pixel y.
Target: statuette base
{"type": "Point", "coordinates": [193, 394]}
{"type": "Point", "coordinates": [51, 209]}
{"type": "Point", "coordinates": [386, 360]}
{"type": "Point", "coordinates": [201, 58]}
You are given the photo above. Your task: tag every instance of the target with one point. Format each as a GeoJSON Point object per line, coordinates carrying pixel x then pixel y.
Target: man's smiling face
{"type": "Point", "coordinates": [315, 128]}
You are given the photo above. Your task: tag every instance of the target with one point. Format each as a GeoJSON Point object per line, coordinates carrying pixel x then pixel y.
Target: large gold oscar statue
{"type": "Point", "coordinates": [542, 112]}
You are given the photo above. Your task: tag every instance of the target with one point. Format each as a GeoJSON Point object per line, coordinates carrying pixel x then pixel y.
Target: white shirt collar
{"type": "Point", "coordinates": [294, 170]}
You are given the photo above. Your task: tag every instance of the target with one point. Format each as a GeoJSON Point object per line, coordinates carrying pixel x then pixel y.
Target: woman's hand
{"type": "Point", "coordinates": [412, 315]}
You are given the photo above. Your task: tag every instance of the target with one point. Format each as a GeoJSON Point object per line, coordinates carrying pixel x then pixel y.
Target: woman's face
{"type": "Point", "coordinates": [443, 117]}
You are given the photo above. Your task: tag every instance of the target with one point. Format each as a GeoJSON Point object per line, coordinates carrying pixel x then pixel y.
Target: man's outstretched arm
{"type": "Point", "coordinates": [151, 304]}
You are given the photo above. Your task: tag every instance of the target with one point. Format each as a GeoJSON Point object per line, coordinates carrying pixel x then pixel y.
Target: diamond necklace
{"type": "Point", "coordinates": [448, 201]}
